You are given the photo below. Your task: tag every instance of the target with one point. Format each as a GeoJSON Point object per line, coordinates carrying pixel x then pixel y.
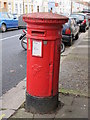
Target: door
{"type": "Point", "coordinates": [76, 28]}
{"type": "Point", "coordinates": [13, 20]}
{"type": "Point", "coordinates": [72, 26]}
{"type": "Point", "coordinates": [6, 20]}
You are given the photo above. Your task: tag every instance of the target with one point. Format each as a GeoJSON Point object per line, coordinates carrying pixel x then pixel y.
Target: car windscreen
{"type": "Point", "coordinates": [88, 16]}
{"type": "Point", "coordinates": [78, 17]}
{"type": "Point", "coordinates": [15, 16]}
{"type": "Point", "coordinates": [10, 16]}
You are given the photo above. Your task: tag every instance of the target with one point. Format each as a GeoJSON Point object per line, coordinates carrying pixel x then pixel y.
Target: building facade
{"type": "Point", "coordinates": [3, 5]}
{"type": "Point", "coordinates": [65, 7]}
{"type": "Point", "coordinates": [19, 7]}
{"type": "Point", "coordinates": [10, 6]}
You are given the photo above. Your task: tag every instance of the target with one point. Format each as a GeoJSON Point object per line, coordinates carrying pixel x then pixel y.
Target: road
{"type": "Point", "coordinates": [13, 60]}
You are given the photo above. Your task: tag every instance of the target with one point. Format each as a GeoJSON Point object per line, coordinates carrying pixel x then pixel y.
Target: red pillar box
{"type": "Point", "coordinates": [43, 58]}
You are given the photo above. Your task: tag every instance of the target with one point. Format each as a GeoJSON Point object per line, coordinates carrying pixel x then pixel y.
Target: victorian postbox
{"type": "Point", "coordinates": [43, 59]}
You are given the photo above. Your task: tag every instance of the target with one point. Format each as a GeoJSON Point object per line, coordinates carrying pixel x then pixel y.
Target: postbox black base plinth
{"type": "Point", "coordinates": [41, 105]}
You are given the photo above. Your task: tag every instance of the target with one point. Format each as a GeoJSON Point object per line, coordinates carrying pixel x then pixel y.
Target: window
{"type": "Point", "coordinates": [37, 8]}
{"type": "Point", "coordinates": [43, 9]}
{"type": "Point", "coordinates": [5, 5]}
{"type": "Point", "coordinates": [10, 16]}
{"type": "Point", "coordinates": [88, 15]}
{"type": "Point", "coordinates": [29, 8]}
{"type": "Point", "coordinates": [16, 8]}
{"type": "Point", "coordinates": [20, 8]}
{"type": "Point", "coordinates": [9, 3]}
{"type": "Point", "coordinates": [26, 9]}
{"type": "Point", "coordinates": [32, 8]}
{"type": "Point", "coordinates": [9, 7]}
{"type": "Point", "coordinates": [78, 17]}
{"type": "Point", "coordinates": [0, 4]}
{"type": "Point", "coordinates": [60, 3]}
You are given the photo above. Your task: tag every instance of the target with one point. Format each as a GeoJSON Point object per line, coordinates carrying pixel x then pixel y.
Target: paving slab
{"type": "Point", "coordinates": [82, 103]}
{"type": "Point", "coordinates": [78, 109]}
{"type": "Point", "coordinates": [79, 51]}
{"type": "Point", "coordinates": [66, 99]}
{"type": "Point", "coordinates": [7, 113]}
{"type": "Point", "coordinates": [14, 97]}
{"type": "Point", "coordinates": [72, 112]}
{"type": "Point", "coordinates": [22, 114]}
{"type": "Point", "coordinates": [49, 116]}
{"type": "Point", "coordinates": [84, 43]}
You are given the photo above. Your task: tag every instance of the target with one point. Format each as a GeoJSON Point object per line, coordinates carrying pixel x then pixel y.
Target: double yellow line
{"type": "Point", "coordinates": [1, 116]}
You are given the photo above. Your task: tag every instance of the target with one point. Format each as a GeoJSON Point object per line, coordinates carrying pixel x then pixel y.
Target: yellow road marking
{"type": "Point", "coordinates": [1, 116]}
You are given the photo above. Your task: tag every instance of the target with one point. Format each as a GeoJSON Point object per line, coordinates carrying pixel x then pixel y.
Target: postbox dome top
{"type": "Point", "coordinates": [44, 17]}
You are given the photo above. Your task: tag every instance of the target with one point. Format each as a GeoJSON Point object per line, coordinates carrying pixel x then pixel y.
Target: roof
{"type": "Point", "coordinates": [45, 17]}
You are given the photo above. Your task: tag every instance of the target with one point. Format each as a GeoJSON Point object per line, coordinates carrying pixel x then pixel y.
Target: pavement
{"type": "Point", "coordinates": [73, 88]}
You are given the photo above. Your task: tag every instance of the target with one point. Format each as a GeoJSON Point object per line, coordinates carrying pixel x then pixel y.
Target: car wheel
{"type": "Point", "coordinates": [18, 27]}
{"type": "Point", "coordinates": [3, 28]}
{"type": "Point", "coordinates": [62, 47]}
{"type": "Point", "coordinates": [24, 43]}
{"type": "Point", "coordinates": [77, 36]}
{"type": "Point", "coordinates": [70, 42]}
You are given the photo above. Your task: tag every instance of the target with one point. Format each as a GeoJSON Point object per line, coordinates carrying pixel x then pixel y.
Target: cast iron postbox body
{"type": "Point", "coordinates": [43, 59]}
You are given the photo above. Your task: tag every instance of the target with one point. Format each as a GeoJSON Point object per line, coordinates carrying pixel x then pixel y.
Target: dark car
{"type": "Point", "coordinates": [88, 14]}
{"type": "Point", "coordinates": [82, 21]}
{"type": "Point", "coordinates": [70, 31]}
{"type": "Point", "coordinates": [7, 21]}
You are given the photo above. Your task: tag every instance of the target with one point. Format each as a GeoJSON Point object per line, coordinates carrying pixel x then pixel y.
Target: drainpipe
{"type": "Point", "coordinates": [71, 6]}
{"type": "Point", "coordinates": [23, 6]}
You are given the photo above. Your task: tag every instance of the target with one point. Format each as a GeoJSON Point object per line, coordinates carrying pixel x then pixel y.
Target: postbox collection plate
{"type": "Point", "coordinates": [37, 48]}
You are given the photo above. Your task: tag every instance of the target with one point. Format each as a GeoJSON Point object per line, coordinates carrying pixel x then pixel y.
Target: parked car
{"type": "Point", "coordinates": [70, 31]}
{"type": "Point", "coordinates": [82, 21]}
{"type": "Point", "coordinates": [21, 23]}
{"type": "Point", "coordinates": [15, 15]}
{"type": "Point", "coordinates": [88, 14]}
{"type": "Point", "coordinates": [86, 10]}
{"type": "Point", "coordinates": [7, 21]}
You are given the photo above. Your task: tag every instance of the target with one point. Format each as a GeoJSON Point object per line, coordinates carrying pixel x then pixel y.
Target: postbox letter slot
{"type": "Point", "coordinates": [38, 33]}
